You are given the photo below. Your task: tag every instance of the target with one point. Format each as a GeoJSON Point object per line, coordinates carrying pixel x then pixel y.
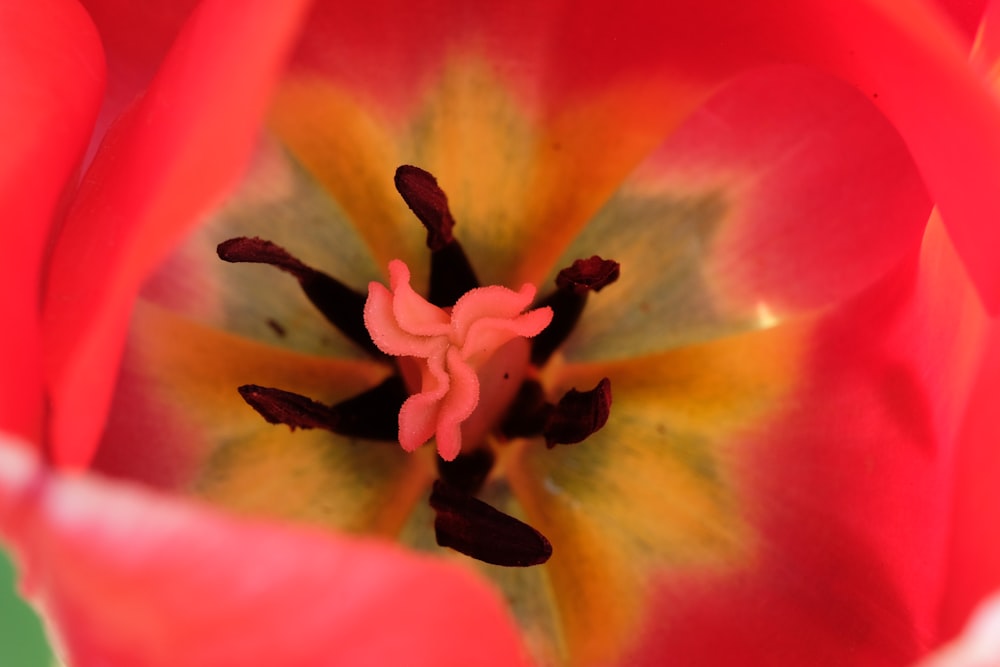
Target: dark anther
{"type": "Point", "coordinates": [341, 305]}
{"type": "Point", "coordinates": [421, 192]}
{"type": "Point", "coordinates": [470, 526]}
{"type": "Point", "coordinates": [451, 273]}
{"type": "Point", "coordinates": [528, 413]}
{"type": "Point", "coordinates": [371, 415]}
{"type": "Point", "coordinates": [468, 471]}
{"type": "Point", "coordinates": [588, 275]}
{"type": "Point", "coordinates": [578, 415]}
{"type": "Point", "coordinates": [567, 302]}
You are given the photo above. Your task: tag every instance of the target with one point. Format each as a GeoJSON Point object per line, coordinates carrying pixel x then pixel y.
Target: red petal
{"type": "Point", "coordinates": [974, 560]}
{"type": "Point", "coordinates": [128, 577]}
{"type": "Point", "coordinates": [966, 15]}
{"type": "Point", "coordinates": [51, 77]}
{"type": "Point", "coordinates": [849, 490]}
{"type": "Point", "coordinates": [165, 163]}
{"type": "Point", "coordinates": [136, 37]}
{"type": "Point", "coordinates": [905, 55]}
{"type": "Point", "coordinates": [785, 193]}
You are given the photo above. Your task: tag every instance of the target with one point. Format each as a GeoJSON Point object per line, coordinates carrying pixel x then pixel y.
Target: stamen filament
{"type": "Point", "coordinates": [370, 415]}
{"type": "Point", "coordinates": [339, 304]}
{"type": "Point", "coordinates": [572, 286]}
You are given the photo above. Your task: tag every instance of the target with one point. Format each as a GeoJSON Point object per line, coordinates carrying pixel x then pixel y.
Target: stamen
{"type": "Point", "coordinates": [450, 346]}
{"type": "Point", "coordinates": [370, 415]}
{"type": "Point", "coordinates": [472, 527]}
{"type": "Point", "coordinates": [572, 286]}
{"type": "Point", "coordinates": [421, 192]}
{"type": "Point", "coordinates": [528, 413]}
{"type": "Point", "coordinates": [468, 471]}
{"type": "Point", "coordinates": [578, 415]}
{"type": "Point", "coordinates": [339, 304]}
{"type": "Point", "coordinates": [451, 273]}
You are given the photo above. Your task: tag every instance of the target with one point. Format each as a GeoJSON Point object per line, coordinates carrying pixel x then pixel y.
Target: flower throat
{"type": "Point", "coordinates": [466, 361]}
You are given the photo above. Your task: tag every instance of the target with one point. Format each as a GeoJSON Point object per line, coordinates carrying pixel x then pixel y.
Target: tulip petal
{"type": "Point", "coordinates": [979, 644]}
{"type": "Point", "coordinates": [785, 193]}
{"type": "Point", "coordinates": [278, 202]}
{"type": "Point", "coordinates": [974, 558]}
{"type": "Point", "coordinates": [905, 55]}
{"type": "Point", "coordinates": [652, 488]}
{"type": "Point", "coordinates": [131, 577]}
{"type": "Point", "coordinates": [599, 86]}
{"type": "Point", "coordinates": [136, 37]}
{"type": "Point", "coordinates": [848, 490]}
{"type": "Point", "coordinates": [178, 423]}
{"type": "Point", "coordinates": [51, 79]}
{"type": "Point", "coordinates": [166, 161]}
{"type": "Point", "coordinates": [751, 468]}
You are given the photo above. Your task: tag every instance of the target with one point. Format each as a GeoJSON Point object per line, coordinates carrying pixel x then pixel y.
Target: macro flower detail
{"type": "Point", "coordinates": [484, 320]}
{"type": "Point", "coordinates": [447, 348]}
{"type": "Point", "coordinates": [790, 472]}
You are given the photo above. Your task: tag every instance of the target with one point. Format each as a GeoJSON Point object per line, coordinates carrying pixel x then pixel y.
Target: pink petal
{"type": "Point", "coordinates": [131, 578]}
{"type": "Point", "coordinates": [164, 164]}
{"type": "Point", "coordinates": [51, 78]}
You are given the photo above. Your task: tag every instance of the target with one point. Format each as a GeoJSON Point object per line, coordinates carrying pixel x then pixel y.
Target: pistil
{"type": "Point", "coordinates": [449, 347]}
{"type": "Point", "coordinates": [466, 362]}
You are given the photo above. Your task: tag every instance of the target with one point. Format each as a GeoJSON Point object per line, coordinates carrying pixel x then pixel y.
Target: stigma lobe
{"type": "Point", "coordinates": [449, 347]}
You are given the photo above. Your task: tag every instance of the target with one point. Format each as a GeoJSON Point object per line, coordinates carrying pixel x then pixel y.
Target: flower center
{"type": "Point", "coordinates": [449, 348]}
{"type": "Point", "coordinates": [466, 363]}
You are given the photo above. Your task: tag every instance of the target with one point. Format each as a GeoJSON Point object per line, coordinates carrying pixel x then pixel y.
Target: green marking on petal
{"type": "Point", "coordinates": [652, 494]}
{"type": "Point", "coordinates": [662, 300]}
{"type": "Point", "coordinates": [279, 201]}
{"type": "Point", "coordinates": [315, 477]}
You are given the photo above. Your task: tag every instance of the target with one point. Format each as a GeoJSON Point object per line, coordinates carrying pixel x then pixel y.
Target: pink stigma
{"type": "Point", "coordinates": [449, 348]}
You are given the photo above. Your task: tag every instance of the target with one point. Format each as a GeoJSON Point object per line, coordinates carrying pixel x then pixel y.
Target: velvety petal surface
{"type": "Point", "coordinates": [277, 201]}
{"type": "Point", "coordinates": [165, 163]}
{"type": "Point", "coordinates": [179, 424]}
{"type": "Point", "coordinates": [133, 578]}
{"type": "Point", "coordinates": [974, 543]}
{"type": "Point", "coordinates": [612, 82]}
{"type": "Point", "coordinates": [785, 193]}
{"type": "Point", "coordinates": [51, 80]}
{"type": "Point", "coordinates": [848, 489]}
{"type": "Point", "coordinates": [653, 490]}
{"type": "Point", "coordinates": [136, 37]}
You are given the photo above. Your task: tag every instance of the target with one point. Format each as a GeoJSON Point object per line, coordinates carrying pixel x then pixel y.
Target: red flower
{"type": "Point", "coordinates": [797, 437]}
